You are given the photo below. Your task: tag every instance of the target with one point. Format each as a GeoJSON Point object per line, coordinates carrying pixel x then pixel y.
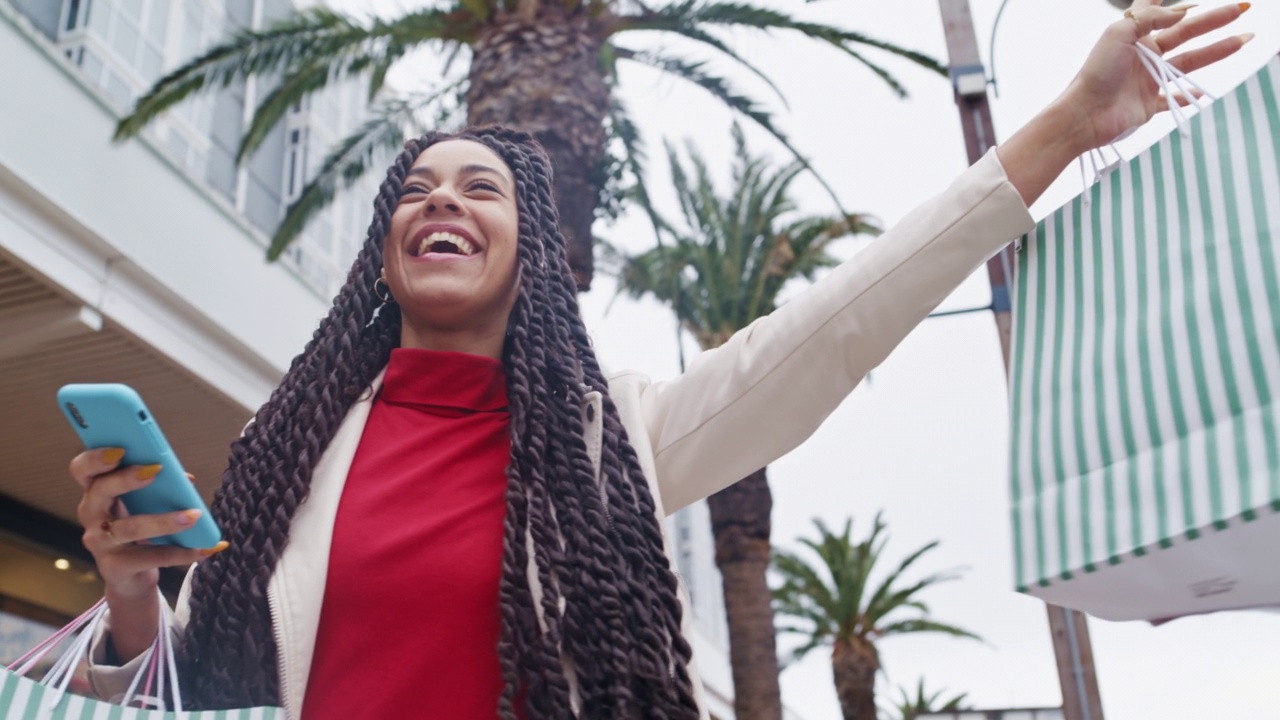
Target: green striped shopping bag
{"type": "Point", "coordinates": [156, 685]}
{"type": "Point", "coordinates": [1145, 376]}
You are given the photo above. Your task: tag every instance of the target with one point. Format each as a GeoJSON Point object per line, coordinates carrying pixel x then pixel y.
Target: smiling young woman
{"type": "Point", "coordinates": [450, 257]}
{"type": "Point", "coordinates": [447, 510]}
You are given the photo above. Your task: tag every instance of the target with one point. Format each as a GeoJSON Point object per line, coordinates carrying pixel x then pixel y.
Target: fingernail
{"type": "Point", "coordinates": [111, 456]}
{"type": "Point", "coordinates": [188, 517]}
{"type": "Point", "coordinates": [215, 549]}
{"type": "Point", "coordinates": [1245, 38]}
{"type": "Point", "coordinates": [148, 472]}
{"type": "Point", "coordinates": [1244, 7]}
{"type": "Point", "coordinates": [1183, 7]}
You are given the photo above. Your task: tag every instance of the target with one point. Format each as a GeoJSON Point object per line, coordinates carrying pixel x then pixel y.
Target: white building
{"type": "Point", "coordinates": [143, 263]}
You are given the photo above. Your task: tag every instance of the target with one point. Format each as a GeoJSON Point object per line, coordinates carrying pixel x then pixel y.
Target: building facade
{"type": "Point", "coordinates": [143, 263]}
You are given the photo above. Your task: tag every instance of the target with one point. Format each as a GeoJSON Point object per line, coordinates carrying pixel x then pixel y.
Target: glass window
{"type": "Point", "coordinates": [178, 146]}
{"type": "Point", "coordinates": [133, 8]}
{"type": "Point", "coordinates": [117, 91]}
{"type": "Point", "coordinates": [158, 21]}
{"type": "Point", "coordinates": [92, 65]}
{"type": "Point", "coordinates": [73, 14]}
{"type": "Point", "coordinates": [124, 39]}
{"type": "Point", "coordinates": [190, 37]}
{"type": "Point", "coordinates": [150, 64]}
{"type": "Point", "coordinates": [100, 17]}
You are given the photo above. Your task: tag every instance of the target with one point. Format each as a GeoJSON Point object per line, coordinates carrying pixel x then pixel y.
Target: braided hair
{"type": "Point", "coordinates": [609, 604]}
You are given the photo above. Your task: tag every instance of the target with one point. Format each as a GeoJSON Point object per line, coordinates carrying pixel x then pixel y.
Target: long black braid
{"type": "Point", "coordinates": [597, 547]}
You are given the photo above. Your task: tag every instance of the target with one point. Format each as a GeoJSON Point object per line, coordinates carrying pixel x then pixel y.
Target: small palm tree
{"type": "Point", "coordinates": [836, 603]}
{"type": "Point", "coordinates": [547, 67]}
{"type": "Point", "coordinates": [909, 708]}
{"type": "Point", "coordinates": [719, 273]}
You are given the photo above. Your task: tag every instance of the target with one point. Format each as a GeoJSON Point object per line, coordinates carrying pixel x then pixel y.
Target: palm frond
{"type": "Point", "coordinates": [317, 36]}
{"type": "Point", "coordinates": [903, 627]}
{"type": "Point", "coordinates": [383, 133]}
{"type": "Point", "coordinates": [695, 72]}
{"type": "Point", "coordinates": [674, 19]}
{"type": "Point", "coordinates": [762, 18]}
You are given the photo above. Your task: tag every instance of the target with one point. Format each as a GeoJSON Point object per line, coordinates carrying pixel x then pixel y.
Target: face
{"type": "Point", "coordinates": [450, 256]}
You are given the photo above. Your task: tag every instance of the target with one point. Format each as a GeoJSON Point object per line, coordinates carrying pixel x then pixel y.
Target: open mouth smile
{"type": "Point", "coordinates": [440, 241]}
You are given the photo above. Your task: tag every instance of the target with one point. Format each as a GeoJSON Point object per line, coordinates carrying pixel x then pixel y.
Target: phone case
{"type": "Point", "coordinates": [113, 415]}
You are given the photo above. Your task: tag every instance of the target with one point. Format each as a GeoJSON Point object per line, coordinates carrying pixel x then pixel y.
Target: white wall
{"type": "Point", "coordinates": [121, 229]}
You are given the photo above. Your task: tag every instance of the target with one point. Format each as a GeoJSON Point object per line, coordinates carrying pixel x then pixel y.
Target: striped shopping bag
{"type": "Point", "coordinates": [25, 699]}
{"type": "Point", "coordinates": [22, 698]}
{"type": "Point", "coordinates": [1145, 376]}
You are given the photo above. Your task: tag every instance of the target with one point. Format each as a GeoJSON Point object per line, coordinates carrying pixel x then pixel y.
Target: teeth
{"type": "Point", "coordinates": [463, 245]}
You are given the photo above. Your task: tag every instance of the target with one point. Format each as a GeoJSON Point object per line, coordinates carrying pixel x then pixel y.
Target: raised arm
{"type": "Point", "coordinates": [743, 405]}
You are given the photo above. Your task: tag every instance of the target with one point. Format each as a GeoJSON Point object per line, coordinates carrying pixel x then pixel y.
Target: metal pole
{"type": "Point", "coordinates": [1070, 629]}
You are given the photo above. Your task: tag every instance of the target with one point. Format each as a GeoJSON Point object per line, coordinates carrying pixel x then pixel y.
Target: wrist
{"type": "Point", "coordinates": [1072, 124]}
{"type": "Point", "coordinates": [129, 591]}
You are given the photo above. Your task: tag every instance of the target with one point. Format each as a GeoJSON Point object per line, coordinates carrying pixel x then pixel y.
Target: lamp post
{"type": "Point", "coordinates": [1070, 629]}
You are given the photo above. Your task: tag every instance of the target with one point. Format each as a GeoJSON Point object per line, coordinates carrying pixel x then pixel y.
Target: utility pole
{"type": "Point", "coordinates": [1070, 629]}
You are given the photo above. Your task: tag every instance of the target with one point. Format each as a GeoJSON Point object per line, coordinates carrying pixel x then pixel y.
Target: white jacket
{"type": "Point", "coordinates": [736, 409]}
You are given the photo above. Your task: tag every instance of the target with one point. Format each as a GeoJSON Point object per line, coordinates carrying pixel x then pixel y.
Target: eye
{"type": "Point", "coordinates": [484, 185]}
{"type": "Point", "coordinates": [412, 189]}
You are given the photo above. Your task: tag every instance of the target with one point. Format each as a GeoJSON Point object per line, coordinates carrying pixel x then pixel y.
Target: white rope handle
{"type": "Point", "coordinates": [1172, 82]}
{"type": "Point", "coordinates": [158, 662]}
{"type": "Point", "coordinates": [160, 668]}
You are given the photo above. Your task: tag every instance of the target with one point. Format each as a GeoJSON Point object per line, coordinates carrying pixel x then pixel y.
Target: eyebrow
{"type": "Point", "coordinates": [467, 170]}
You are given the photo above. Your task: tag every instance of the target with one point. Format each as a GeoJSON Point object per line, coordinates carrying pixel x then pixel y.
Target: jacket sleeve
{"type": "Point", "coordinates": [745, 404]}
{"type": "Point", "coordinates": [110, 682]}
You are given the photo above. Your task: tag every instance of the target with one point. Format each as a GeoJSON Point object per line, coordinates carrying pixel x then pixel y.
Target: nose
{"type": "Point", "coordinates": [440, 200]}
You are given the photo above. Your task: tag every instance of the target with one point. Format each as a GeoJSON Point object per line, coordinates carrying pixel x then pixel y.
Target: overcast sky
{"type": "Point", "coordinates": [926, 441]}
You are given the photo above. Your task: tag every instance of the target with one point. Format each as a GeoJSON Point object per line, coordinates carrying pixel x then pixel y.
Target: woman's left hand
{"type": "Point", "coordinates": [1114, 92]}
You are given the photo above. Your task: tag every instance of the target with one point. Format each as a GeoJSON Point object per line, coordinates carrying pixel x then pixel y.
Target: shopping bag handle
{"type": "Point", "coordinates": [158, 666]}
{"type": "Point", "coordinates": [1172, 82]}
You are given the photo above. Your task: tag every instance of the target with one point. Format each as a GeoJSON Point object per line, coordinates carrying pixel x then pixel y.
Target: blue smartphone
{"type": "Point", "coordinates": [113, 415]}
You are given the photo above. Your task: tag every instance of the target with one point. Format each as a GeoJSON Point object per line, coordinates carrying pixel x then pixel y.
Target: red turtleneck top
{"type": "Point", "coordinates": [410, 621]}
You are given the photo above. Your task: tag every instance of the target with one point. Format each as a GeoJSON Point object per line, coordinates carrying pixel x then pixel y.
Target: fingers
{"type": "Point", "coordinates": [92, 463]}
{"type": "Point", "coordinates": [144, 527]}
{"type": "Point", "coordinates": [1181, 99]}
{"type": "Point", "coordinates": [1141, 22]}
{"type": "Point", "coordinates": [1193, 60]}
{"type": "Point", "coordinates": [133, 559]}
{"type": "Point", "coordinates": [1194, 26]}
{"type": "Point", "coordinates": [102, 491]}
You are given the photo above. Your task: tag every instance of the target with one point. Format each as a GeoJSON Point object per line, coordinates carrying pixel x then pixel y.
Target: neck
{"type": "Point", "coordinates": [487, 342]}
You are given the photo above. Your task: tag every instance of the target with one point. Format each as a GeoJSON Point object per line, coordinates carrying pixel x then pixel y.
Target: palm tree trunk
{"type": "Point", "coordinates": [854, 665]}
{"type": "Point", "coordinates": [741, 525]}
{"type": "Point", "coordinates": [542, 73]}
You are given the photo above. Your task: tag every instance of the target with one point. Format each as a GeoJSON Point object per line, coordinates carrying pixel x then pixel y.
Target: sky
{"type": "Point", "coordinates": [926, 440]}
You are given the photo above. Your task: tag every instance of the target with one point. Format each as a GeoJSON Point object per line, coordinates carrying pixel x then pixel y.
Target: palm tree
{"type": "Point", "coordinates": [548, 67]}
{"type": "Point", "coordinates": [834, 602]}
{"type": "Point", "coordinates": [909, 708]}
{"type": "Point", "coordinates": [720, 273]}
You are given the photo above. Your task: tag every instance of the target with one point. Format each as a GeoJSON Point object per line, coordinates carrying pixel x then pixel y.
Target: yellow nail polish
{"type": "Point", "coordinates": [111, 456]}
{"type": "Point", "coordinates": [1245, 38]}
{"type": "Point", "coordinates": [215, 549]}
{"type": "Point", "coordinates": [1244, 6]}
{"type": "Point", "coordinates": [147, 472]}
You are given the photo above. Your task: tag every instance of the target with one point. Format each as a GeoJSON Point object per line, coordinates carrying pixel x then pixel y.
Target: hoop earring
{"type": "Point", "coordinates": [384, 294]}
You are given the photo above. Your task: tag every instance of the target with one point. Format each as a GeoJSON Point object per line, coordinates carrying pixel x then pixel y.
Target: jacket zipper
{"type": "Point", "coordinates": [277, 628]}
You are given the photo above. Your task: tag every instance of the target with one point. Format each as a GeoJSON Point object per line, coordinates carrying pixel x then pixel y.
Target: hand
{"type": "Point", "coordinates": [1114, 92]}
{"type": "Point", "coordinates": [130, 569]}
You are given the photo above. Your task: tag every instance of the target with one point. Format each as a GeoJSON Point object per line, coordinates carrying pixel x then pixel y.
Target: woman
{"type": "Point", "coordinates": [446, 508]}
